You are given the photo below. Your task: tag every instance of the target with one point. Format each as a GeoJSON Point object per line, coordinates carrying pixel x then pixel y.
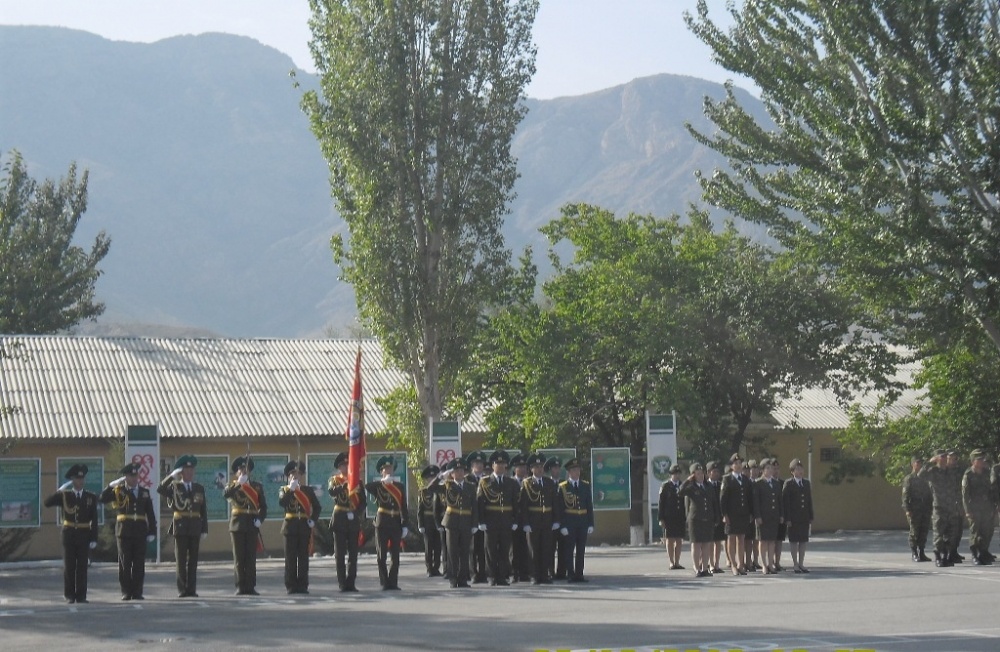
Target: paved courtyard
{"type": "Point", "coordinates": [863, 593]}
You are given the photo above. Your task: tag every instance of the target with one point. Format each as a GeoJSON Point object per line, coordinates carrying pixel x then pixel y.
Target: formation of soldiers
{"type": "Point", "coordinates": [518, 517]}
{"type": "Point", "coordinates": [746, 512]}
{"type": "Point", "coordinates": [940, 495]}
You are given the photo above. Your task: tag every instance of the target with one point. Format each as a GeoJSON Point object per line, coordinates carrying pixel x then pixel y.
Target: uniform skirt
{"type": "Point", "coordinates": [767, 530]}
{"type": "Point", "coordinates": [798, 532]}
{"type": "Point", "coordinates": [701, 531]}
{"type": "Point", "coordinates": [738, 526]}
{"type": "Point", "coordinates": [675, 529]}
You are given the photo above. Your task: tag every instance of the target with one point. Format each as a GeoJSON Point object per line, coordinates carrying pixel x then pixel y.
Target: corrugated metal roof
{"type": "Point", "coordinates": [94, 387]}
{"type": "Point", "coordinates": [820, 409]}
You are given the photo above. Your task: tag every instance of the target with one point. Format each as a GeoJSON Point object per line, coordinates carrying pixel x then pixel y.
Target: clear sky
{"type": "Point", "coordinates": [583, 45]}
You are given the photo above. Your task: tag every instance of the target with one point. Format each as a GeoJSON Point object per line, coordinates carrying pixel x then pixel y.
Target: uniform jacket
{"type": "Point", "coordinates": [946, 492]}
{"type": "Point", "coordinates": [461, 507]}
{"type": "Point", "coordinates": [917, 497]}
{"type": "Point", "coordinates": [575, 505]}
{"type": "Point", "coordinates": [79, 515]}
{"type": "Point", "coordinates": [671, 503]}
{"type": "Point", "coordinates": [767, 503]}
{"type": "Point", "coordinates": [797, 503]}
{"type": "Point", "coordinates": [243, 511]}
{"type": "Point", "coordinates": [391, 500]}
{"type": "Point", "coordinates": [430, 508]}
{"type": "Point", "coordinates": [497, 501]}
{"type": "Point", "coordinates": [700, 503]}
{"type": "Point", "coordinates": [537, 503]}
{"type": "Point", "coordinates": [136, 517]}
{"type": "Point", "coordinates": [301, 506]}
{"type": "Point", "coordinates": [342, 505]}
{"type": "Point", "coordinates": [190, 511]}
{"type": "Point", "coordinates": [977, 495]}
{"type": "Point", "coordinates": [736, 498]}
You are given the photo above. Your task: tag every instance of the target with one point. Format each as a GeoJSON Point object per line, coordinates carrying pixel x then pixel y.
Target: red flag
{"type": "Point", "coordinates": [355, 434]}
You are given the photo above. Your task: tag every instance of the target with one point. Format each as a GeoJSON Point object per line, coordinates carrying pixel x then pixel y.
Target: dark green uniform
{"type": "Point", "coordinates": [497, 504]}
{"type": "Point", "coordinates": [918, 503]}
{"type": "Point", "coordinates": [186, 500]}
{"type": "Point", "coordinates": [248, 509]}
{"type": "Point", "coordinates": [977, 501]}
{"type": "Point", "coordinates": [79, 530]}
{"type": "Point", "coordinates": [390, 520]}
{"type": "Point", "coordinates": [536, 507]}
{"type": "Point", "coordinates": [430, 511]}
{"type": "Point", "coordinates": [461, 517]}
{"type": "Point", "coordinates": [575, 514]}
{"type": "Point", "coordinates": [348, 514]}
{"type": "Point", "coordinates": [302, 508]}
{"type": "Point", "coordinates": [946, 513]}
{"type": "Point", "coordinates": [135, 521]}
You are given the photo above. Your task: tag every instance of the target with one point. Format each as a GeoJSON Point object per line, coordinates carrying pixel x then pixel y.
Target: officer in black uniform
{"type": "Point", "coordinates": [135, 526]}
{"type": "Point", "coordinates": [575, 513]}
{"type": "Point", "coordinates": [478, 567]}
{"type": "Point", "coordinates": [497, 497]}
{"type": "Point", "coordinates": [430, 511]}
{"type": "Point", "coordinates": [671, 515]}
{"type": "Point", "coordinates": [391, 521]}
{"type": "Point", "coordinates": [536, 509]}
{"type": "Point", "coordinates": [248, 509]}
{"type": "Point", "coordinates": [520, 556]}
{"type": "Point", "coordinates": [461, 515]}
{"type": "Point", "coordinates": [302, 508]}
{"type": "Point", "coordinates": [348, 515]}
{"type": "Point", "coordinates": [186, 499]}
{"type": "Point", "coordinates": [79, 530]}
{"type": "Point", "coordinates": [557, 565]}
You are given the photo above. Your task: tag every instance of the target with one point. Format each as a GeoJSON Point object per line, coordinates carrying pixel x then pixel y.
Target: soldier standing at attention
{"type": "Point", "coordinates": [767, 510]}
{"type": "Point", "coordinates": [520, 556]}
{"type": "Point", "coordinates": [797, 507]}
{"type": "Point", "coordinates": [391, 521]}
{"type": "Point", "coordinates": [735, 499]}
{"type": "Point", "coordinates": [186, 499]}
{"type": "Point", "coordinates": [557, 567]}
{"type": "Point", "coordinates": [536, 505]}
{"type": "Point", "coordinates": [955, 473]}
{"type": "Point", "coordinates": [575, 513]}
{"type": "Point", "coordinates": [702, 509]}
{"type": "Point", "coordinates": [430, 511]}
{"type": "Point", "coordinates": [79, 530]}
{"type": "Point", "coordinates": [348, 513]}
{"type": "Point", "coordinates": [917, 503]}
{"type": "Point", "coordinates": [477, 466]}
{"type": "Point", "coordinates": [752, 473]}
{"type": "Point", "coordinates": [248, 509]}
{"type": "Point", "coordinates": [947, 506]}
{"type": "Point", "coordinates": [497, 500]}
{"type": "Point", "coordinates": [977, 500]}
{"type": "Point", "coordinates": [461, 515]}
{"type": "Point", "coordinates": [670, 513]}
{"type": "Point", "coordinates": [135, 526]}
{"type": "Point", "coordinates": [302, 508]}
{"type": "Point", "coordinates": [712, 476]}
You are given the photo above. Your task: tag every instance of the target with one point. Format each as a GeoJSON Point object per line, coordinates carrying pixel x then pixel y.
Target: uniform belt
{"type": "Point", "coordinates": [499, 508]}
{"type": "Point", "coordinates": [342, 508]}
{"type": "Point", "coordinates": [131, 517]}
{"type": "Point", "coordinates": [238, 510]}
{"type": "Point", "coordinates": [291, 515]}
{"type": "Point", "coordinates": [540, 509]}
{"type": "Point", "coordinates": [390, 512]}
{"type": "Point", "coordinates": [187, 514]}
{"type": "Point", "coordinates": [76, 525]}
{"type": "Point", "coordinates": [576, 511]}
{"type": "Point", "coordinates": [460, 512]}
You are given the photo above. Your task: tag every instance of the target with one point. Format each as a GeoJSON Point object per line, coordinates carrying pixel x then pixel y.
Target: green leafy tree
{"type": "Point", "coordinates": [46, 282]}
{"type": "Point", "coordinates": [881, 158]}
{"type": "Point", "coordinates": [418, 103]}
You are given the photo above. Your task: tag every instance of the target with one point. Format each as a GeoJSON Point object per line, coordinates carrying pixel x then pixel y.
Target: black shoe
{"type": "Point", "coordinates": [546, 581]}
{"type": "Point", "coordinates": [572, 580]}
{"type": "Point", "coordinates": [676, 567]}
{"type": "Point", "coordinates": [82, 600]}
{"type": "Point", "coordinates": [138, 597]}
{"type": "Point", "coordinates": [914, 555]}
{"type": "Point", "coordinates": [536, 582]}
{"type": "Point", "coordinates": [559, 576]}
{"type": "Point", "coordinates": [703, 573]}
{"type": "Point", "coordinates": [581, 578]}
{"type": "Point", "coordinates": [70, 600]}
{"type": "Point", "coordinates": [921, 556]}
{"type": "Point", "coordinates": [192, 594]}
{"type": "Point", "coordinates": [252, 592]}
{"type": "Point", "coordinates": [502, 583]}
{"type": "Point", "coordinates": [464, 585]}
{"type": "Point", "coordinates": [126, 597]}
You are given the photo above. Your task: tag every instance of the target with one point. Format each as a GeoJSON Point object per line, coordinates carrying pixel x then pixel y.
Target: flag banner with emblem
{"type": "Point", "coordinates": [355, 434]}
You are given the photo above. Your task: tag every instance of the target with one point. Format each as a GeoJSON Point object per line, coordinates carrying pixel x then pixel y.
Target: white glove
{"type": "Point", "coordinates": [92, 544]}
{"type": "Point", "coordinates": [150, 538]}
{"type": "Point", "coordinates": [513, 527]}
{"type": "Point", "coordinates": [421, 530]}
{"type": "Point", "coordinates": [555, 526]}
{"type": "Point", "coordinates": [527, 528]}
{"type": "Point", "coordinates": [176, 473]}
{"type": "Point", "coordinates": [406, 531]}
{"type": "Point", "coordinates": [474, 530]}
{"type": "Point", "coordinates": [256, 523]}
{"type": "Point", "coordinates": [482, 527]}
{"type": "Point", "coordinates": [564, 532]}
{"type": "Point", "coordinates": [242, 479]}
{"type": "Point", "coordinates": [310, 522]}
{"type": "Point", "coordinates": [115, 483]}
{"type": "Point", "coordinates": [293, 485]}
{"type": "Point", "coordinates": [441, 530]}
{"type": "Point", "coordinates": [590, 530]}
{"type": "Point", "coordinates": [350, 516]}
{"type": "Point", "coordinates": [204, 535]}
{"type": "Point", "coordinates": [66, 485]}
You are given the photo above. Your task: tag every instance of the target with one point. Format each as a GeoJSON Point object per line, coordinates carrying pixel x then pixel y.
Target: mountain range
{"type": "Point", "coordinates": [204, 173]}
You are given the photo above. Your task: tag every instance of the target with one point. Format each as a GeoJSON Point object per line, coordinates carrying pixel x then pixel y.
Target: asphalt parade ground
{"type": "Point", "coordinates": [863, 593]}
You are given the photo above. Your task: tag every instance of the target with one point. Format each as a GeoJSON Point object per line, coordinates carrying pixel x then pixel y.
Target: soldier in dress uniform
{"type": "Point", "coordinates": [980, 508]}
{"type": "Point", "coordinates": [302, 508]}
{"type": "Point", "coordinates": [497, 497]}
{"type": "Point", "coordinates": [917, 503]}
{"type": "Point", "coordinates": [430, 511]}
{"type": "Point", "coordinates": [947, 506]}
{"type": "Point", "coordinates": [768, 515]}
{"type": "Point", "coordinates": [702, 509]}
{"type": "Point", "coordinates": [135, 526]}
{"type": "Point", "coordinates": [348, 514]}
{"type": "Point", "coordinates": [186, 499]}
{"type": "Point", "coordinates": [751, 472]}
{"type": "Point", "coordinates": [797, 507]}
{"type": "Point", "coordinates": [955, 473]}
{"type": "Point", "coordinates": [713, 474]}
{"type": "Point", "coordinates": [575, 513]}
{"type": "Point", "coordinates": [247, 511]}
{"type": "Point", "coordinates": [392, 521]}
{"type": "Point", "coordinates": [478, 567]}
{"type": "Point", "coordinates": [557, 566]}
{"type": "Point", "coordinates": [670, 514]}
{"type": "Point", "coordinates": [461, 518]}
{"type": "Point", "coordinates": [779, 544]}
{"type": "Point", "coordinates": [536, 505]}
{"type": "Point", "coordinates": [735, 502]}
{"type": "Point", "coordinates": [79, 530]}
{"type": "Point", "coordinates": [520, 556]}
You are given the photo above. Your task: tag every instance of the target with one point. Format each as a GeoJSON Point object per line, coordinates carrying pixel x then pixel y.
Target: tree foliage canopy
{"type": "Point", "coordinates": [882, 157]}
{"type": "Point", "coordinates": [418, 104]}
{"type": "Point", "coordinates": [46, 283]}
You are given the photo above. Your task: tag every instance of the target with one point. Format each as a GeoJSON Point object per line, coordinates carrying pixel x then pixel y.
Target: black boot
{"type": "Point", "coordinates": [913, 554]}
{"type": "Point", "coordinates": [937, 558]}
{"type": "Point", "coordinates": [923, 557]}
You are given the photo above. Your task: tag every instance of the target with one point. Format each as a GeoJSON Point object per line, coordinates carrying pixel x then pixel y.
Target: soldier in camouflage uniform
{"type": "Point", "coordinates": [917, 503]}
{"type": "Point", "coordinates": [977, 500]}
{"type": "Point", "coordinates": [947, 510]}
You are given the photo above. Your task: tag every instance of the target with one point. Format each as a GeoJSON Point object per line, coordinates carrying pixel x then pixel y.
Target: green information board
{"type": "Point", "coordinates": [93, 482]}
{"type": "Point", "coordinates": [610, 473]}
{"type": "Point", "coordinates": [213, 474]}
{"type": "Point", "coordinates": [319, 469]}
{"type": "Point", "coordinates": [20, 485]}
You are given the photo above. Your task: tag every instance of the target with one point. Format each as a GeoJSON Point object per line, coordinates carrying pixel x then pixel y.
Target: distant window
{"type": "Point", "coordinates": [829, 454]}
